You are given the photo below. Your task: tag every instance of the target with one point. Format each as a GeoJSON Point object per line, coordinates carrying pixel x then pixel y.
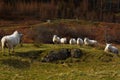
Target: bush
{"type": "Point", "coordinates": [44, 33]}
{"type": "Point", "coordinates": [71, 29]}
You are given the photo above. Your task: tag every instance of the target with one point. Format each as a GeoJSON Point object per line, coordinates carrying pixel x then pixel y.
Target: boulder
{"type": "Point", "coordinates": [76, 53]}
{"type": "Point", "coordinates": [54, 55]}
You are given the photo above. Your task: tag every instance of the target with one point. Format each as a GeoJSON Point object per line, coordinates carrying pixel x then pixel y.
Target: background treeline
{"type": "Point", "coordinates": [98, 10]}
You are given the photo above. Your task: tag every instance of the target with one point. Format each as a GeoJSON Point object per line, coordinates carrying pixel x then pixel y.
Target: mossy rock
{"type": "Point", "coordinates": [54, 55]}
{"type": "Point", "coordinates": [61, 54]}
{"type": "Point", "coordinates": [76, 53]}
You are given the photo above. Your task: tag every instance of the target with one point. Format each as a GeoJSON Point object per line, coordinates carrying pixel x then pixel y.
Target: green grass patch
{"type": "Point", "coordinates": [25, 64]}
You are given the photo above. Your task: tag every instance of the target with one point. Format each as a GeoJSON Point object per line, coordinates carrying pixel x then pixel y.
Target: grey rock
{"type": "Point", "coordinates": [76, 53]}
{"type": "Point", "coordinates": [54, 55]}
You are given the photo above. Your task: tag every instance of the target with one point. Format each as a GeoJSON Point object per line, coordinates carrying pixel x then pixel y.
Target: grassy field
{"type": "Point", "coordinates": [25, 64]}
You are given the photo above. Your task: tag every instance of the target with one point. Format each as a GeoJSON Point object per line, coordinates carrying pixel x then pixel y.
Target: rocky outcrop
{"type": "Point", "coordinates": [54, 55]}
{"type": "Point", "coordinates": [76, 53]}
{"type": "Point", "coordinates": [62, 54]}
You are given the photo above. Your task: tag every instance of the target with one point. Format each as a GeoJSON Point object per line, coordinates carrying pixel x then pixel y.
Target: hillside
{"type": "Point", "coordinates": [25, 64]}
{"type": "Point", "coordinates": [43, 31]}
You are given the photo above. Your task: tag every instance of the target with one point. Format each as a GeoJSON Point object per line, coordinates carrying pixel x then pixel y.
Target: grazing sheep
{"type": "Point", "coordinates": [90, 42]}
{"type": "Point", "coordinates": [79, 41]}
{"type": "Point", "coordinates": [10, 41]}
{"type": "Point", "coordinates": [63, 40]}
{"type": "Point", "coordinates": [56, 39]}
{"type": "Point", "coordinates": [110, 48]}
{"type": "Point", "coordinates": [72, 41]}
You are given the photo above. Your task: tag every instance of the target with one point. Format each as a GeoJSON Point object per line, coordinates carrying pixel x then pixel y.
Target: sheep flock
{"type": "Point", "coordinates": [10, 41]}
{"type": "Point", "coordinates": [88, 42]}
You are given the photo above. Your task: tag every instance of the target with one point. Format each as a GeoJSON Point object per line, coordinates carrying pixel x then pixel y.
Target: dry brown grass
{"type": "Point", "coordinates": [35, 30]}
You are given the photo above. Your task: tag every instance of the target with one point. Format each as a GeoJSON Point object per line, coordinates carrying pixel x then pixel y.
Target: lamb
{"type": "Point", "coordinates": [56, 39]}
{"type": "Point", "coordinates": [63, 40]}
{"type": "Point", "coordinates": [72, 41]}
{"type": "Point", "coordinates": [110, 48]}
{"type": "Point", "coordinates": [79, 41]}
{"type": "Point", "coordinates": [90, 42]}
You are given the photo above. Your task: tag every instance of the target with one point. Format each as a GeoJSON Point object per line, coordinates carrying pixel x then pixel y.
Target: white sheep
{"type": "Point", "coordinates": [72, 41]}
{"type": "Point", "coordinates": [79, 41]}
{"type": "Point", "coordinates": [90, 42]}
{"type": "Point", "coordinates": [10, 41]}
{"type": "Point", "coordinates": [110, 48]}
{"type": "Point", "coordinates": [56, 39]}
{"type": "Point", "coordinates": [63, 40]}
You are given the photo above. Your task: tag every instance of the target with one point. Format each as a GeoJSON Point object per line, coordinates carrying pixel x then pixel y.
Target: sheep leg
{"type": "Point", "coordinates": [12, 50]}
{"type": "Point", "coordinates": [21, 45]}
{"type": "Point", "coordinates": [9, 50]}
{"type": "Point", "coordinates": [9, 47]}
{"type": "Point", "coordinates": [3, 51]}
{"type": "Point", "coordinates": [2, 47]}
